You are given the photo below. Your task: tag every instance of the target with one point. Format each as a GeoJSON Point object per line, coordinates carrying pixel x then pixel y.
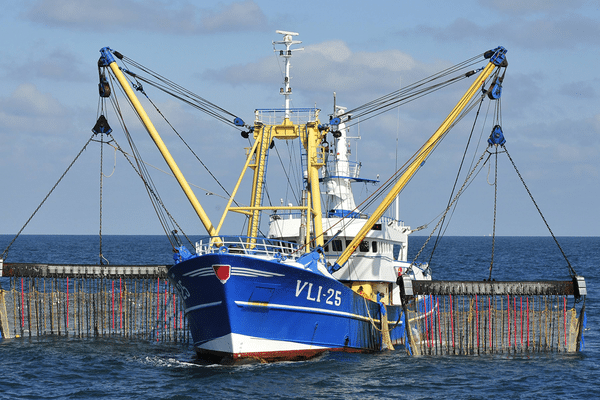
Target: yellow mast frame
{"type": "Point", "coordinates": [264, 134]}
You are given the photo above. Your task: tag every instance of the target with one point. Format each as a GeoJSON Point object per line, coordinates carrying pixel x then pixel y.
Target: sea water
{"type": "Point", "coordinates": [117, 368]}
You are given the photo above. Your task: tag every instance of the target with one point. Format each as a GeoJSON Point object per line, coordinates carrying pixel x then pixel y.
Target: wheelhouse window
{"type": "Point", "coordinates": [364, 246]}
{"type": "Point", "coordinates": [374, 246]}
{"type": "Point", "coordinates": [336, 245]}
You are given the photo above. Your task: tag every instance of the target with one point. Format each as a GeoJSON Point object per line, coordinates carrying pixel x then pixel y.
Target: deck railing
{"type": "Point", "coordinates": [275, 116]}
{"type": "Point", "coordinates": [250, 246]}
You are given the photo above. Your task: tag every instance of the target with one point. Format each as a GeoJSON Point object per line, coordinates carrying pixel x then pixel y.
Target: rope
{"type": "Point", "coordinates": [154, 195]}
{"type": "Point", "coordinates": [458, 194]}
{"type": "Point", "coordinates": [180, 93]}
{"type": "Point", "coordinates": [495, 204]}
{"type": "Point", "coordinates": [145, 176]}
{"type": "Point", "coordinates": [159, 207]}
{"type": "Point", "coordinates": [373, 321]}
{"type": "Point", "coordinates": [571, 269]}
{"type": "Point", "coordinates": [187, 145]}
{"type": "Point", "coordinates": [101, 190]}
{"type": "Point", "coordinates": [5, 253]}
{"type": "Point", "coordinates": [457, 176]}
{"type": "Point", "coordinates": [411, 92]}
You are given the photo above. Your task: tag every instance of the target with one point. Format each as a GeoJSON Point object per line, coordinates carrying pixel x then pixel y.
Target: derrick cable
{"type": "Point", "coordinates": [140, 89]}
{"type": "Point", "coordinates": [186, 100]}
{"type": "Point", "coordinates": [571, 269]}
{"type": "Point", "coordinates": [176, 86]}
{"type": "Point", "coordinates": [153, 194]}
{"type": "Point", "coordinates": [405, 94]}
{"type": "Point", "coordinates": [465, 185]}
{"type": "Point", "coordinates": [102, 110]}
{"type": "Point", "coordinates": [189, 148]}
{"type": "Point", "coordinates": [495, 205]}
{"type": "Point", "coordinates": [194, 99]}
{"type": "Point", "coordinates": [404, 100]}
{"type": "Point", "coordinates": [285, 172]}
{"type": "Point", "coordinates": [101, 191]}
{"type": "Point", "coordinates": [141, 170]}
{"type": "Point", "coordinates": [390, 182]}
{"type": "Point", "coordinates": [410, 93]}
{"type": "Point", "coordinates": [457, 177]}
{"type": "Point", "coordinates": [5, 253]}
{"type": "Point", "coordinates": [415, 85]}
{"type": "Point", "coordinates": [143, 173]}
{"type": "Point", "coordinates": [497, 122]}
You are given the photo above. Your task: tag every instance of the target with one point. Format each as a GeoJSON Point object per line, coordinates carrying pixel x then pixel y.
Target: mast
{"type": "Point", "coordinates": [339, 177]}
{"type": "Point", "coordinates": [107, 59]}
{"type": "Point", "coordinates": [286, 90]}
{"type": "Point", "coordinates": [496, 60]}
{"type": "Point", "coordinates": [267, 128]}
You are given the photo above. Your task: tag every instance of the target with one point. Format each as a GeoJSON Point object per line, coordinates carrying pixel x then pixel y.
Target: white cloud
{"type": "Point", "coordinates": [332, 66]}
{"type": "Point", "coordinates": [579, 90]}
{"type": "Point", "coordinates": [235, 17]}
{"type": "Point", "coordinates": [28, 101]}
{"type": "Point", "coordinates": [154, 16]}
{"type": "Point", "coordinates": [28, 118]}
{"type": "Point", "coordinates": [56, 65]}
{"type": "Point", "coordinates": [332, 51]}
{"type": "Point", "coordinates": [520, 7]}
{"type": "Point", "coordinates": [566, 31]}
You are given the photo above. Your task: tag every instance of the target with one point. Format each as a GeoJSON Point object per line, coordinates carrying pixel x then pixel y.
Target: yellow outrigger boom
{"type": "Point", "coordinates": [496, 60]}
{"type": "Point", "coordinates": [108, 60]}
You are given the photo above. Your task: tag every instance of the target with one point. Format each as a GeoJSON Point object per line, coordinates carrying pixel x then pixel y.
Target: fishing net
{"type": "Point", "coordinates": [140, 307]}
{"type": "Point", "coordinates": [466, 318]}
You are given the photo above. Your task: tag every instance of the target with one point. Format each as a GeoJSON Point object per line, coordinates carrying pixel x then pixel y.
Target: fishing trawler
{"type": "Point", "coordinates": [320, 280]}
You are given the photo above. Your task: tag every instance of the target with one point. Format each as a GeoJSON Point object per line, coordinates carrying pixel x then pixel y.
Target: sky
{"type": "Point", "coordinates": [223, 51]}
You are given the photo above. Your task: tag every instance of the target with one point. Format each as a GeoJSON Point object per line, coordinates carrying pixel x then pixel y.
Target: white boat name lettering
{"type": "Point", "coordinates": [332, 297]}
{"type": "Point", "coordinates": [183, 292]}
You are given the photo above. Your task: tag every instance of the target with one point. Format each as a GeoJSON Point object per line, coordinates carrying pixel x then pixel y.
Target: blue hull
{"type": "Point", "coordinates": [259, 308]}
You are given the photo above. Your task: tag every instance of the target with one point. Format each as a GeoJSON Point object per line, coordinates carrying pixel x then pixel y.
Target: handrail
{"type": "Point", "coordinates": [248, 246]}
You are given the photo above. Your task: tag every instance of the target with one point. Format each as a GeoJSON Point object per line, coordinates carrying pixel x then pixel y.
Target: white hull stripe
{"type": "Point", "coordinates": [253, 272]}
{"type": "Point", "coordinates": [200, 272]}
{"type": "Point", "coordinates": [305, 309]}
{"type": "Point", "coordinates": [237, 271]}
{"type": "Point", "coordinates": [238, 343]}
{"type": "Point", "coordinates": [205, 305]}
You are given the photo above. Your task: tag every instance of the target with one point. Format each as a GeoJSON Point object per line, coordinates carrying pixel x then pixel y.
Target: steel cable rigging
{"type": "Point", "coordinates": [187, 97]}
{"type": "Point", "coordinates": [411, 92]}
{"type": "Point", "coordinates": [170, 226]}
{"type": "Point", "coordinates": [180, 93]}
